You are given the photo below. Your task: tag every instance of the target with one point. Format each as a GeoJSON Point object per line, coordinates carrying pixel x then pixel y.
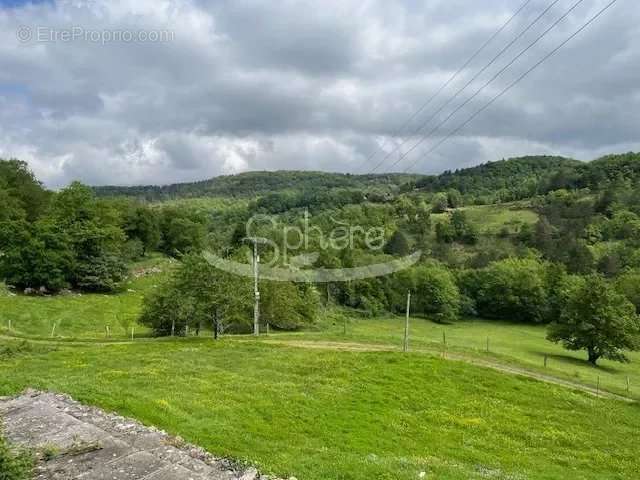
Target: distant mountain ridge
{"type": "Point", "coordinates": [530, 173]}
{"type": "Point", "coordinates": [521, 176]}
{"type": "Point", "coordinates": [251, 184]}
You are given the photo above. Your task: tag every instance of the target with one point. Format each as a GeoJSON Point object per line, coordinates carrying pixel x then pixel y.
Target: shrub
{"type": "Point", "coordinates": [288, 306]}
{"type": "Point", "coordinates": [165, 311]}
{"type": "Point", "coordinates": [434, 291]}
{"type": "Point", "coordinates": [454, 198]}
{"type": "Point", "coordinates": [439, 203]}
{"type": "Point", "coordinates": [14, 464]}
{"type": "Point", "coordinates": [512, 289]}
{"type": "Point", "coordinates": [100, 274]}
{"type": "Point", "coordinates": [629, 285]}
{"type": "Point", "coordinates": [397, 245]}
{"type": "Point", "coordinates": [200, 295]}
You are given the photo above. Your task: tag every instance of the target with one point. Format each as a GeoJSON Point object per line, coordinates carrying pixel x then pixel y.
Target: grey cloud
{"type": "Point", "coordinates": [316, 85]}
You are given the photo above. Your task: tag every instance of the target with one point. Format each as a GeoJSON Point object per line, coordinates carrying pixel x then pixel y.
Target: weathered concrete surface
{"type": "Point", "coordinates": [76, 442]}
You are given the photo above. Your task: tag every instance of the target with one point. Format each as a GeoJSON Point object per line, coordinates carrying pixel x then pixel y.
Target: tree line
{"type": "Point", "coordinates": [585, 245]}
{"type": "Point", "coordinates": [50, 241]}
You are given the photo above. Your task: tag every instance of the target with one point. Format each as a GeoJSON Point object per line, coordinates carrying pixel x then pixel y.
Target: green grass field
{"type": "Point", "coordinates": [322, 414]}
{"type": "Point", "coordinates": [343, 415]}
{"type": "Point", "coordinates": [509, 343]}
{"type": "Point", "coordinates": [491, 219]}
{"type": "Point", "coordinates": [83, 316]}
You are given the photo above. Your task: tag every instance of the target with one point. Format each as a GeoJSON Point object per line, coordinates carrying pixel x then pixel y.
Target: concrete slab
{"type": "Point", "coordinates": [175, 456]}
{"type": "Point", "coordinates": [132, 467]}
{"type": "Point", "coordinates": [43, 425]}
{"type": "Point", "coordinates": [71, 466]}
{"type": "Point", "coordinates": [175, 472]}
{"type": "Point", "coordinates": [90, 444]}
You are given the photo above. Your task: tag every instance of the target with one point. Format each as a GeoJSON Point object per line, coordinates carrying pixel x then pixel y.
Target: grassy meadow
{"type": "Point", "coordinates": [492, 219]}
{"type": "Point", "coordinates": [319, 414]}
{"type": "Point", "coordinates": [322, 414]}
{"type": "Point", "coordinates": [509, 343]}
{"type": "Point", "coordinates": [72, 315]}
{"type": "Point", "coordinates": [85, 317]}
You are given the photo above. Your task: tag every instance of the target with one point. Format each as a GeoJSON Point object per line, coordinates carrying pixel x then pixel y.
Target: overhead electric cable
{"type": "Point", "coordinates": [466, 85]}
{"type": "Point", "coordinates": [490, 81]}
{"type": "Point", "coordinates": [515, 82]}
{"type": "Point", "coordinates": [448, 82]}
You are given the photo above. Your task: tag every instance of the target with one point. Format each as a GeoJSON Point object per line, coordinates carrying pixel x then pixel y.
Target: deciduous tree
{"type": "Point", "coordinates": [598, 319]}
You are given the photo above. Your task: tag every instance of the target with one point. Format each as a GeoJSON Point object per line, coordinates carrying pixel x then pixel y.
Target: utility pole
{"type": "Point", "coordinates": [406, 324]}
{"type": "Point", "coordinates": [256, 291]}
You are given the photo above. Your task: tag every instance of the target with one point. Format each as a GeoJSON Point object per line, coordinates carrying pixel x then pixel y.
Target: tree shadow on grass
{"type": "Point", "coordinates": [577, 362]}
{"type": "Point", "coordinates": [434, 321]}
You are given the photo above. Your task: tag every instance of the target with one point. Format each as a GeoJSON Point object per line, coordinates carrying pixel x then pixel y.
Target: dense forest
{"type": "Point", "coordinates": [251, 184]}
{"type": "Point", "coordinates": [533, 239]}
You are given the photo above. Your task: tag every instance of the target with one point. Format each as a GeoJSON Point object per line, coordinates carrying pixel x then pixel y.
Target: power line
{"type": "Point", "coordinates": [490, 81]}
{"type": "Point", "coordinates": [518, 80]}
{"type": "Point", "coordinates": [473, 79]}
{"type": "Point", "coordinates": [447, 83]}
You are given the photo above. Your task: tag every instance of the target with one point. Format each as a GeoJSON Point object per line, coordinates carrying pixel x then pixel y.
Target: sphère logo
{"type": "Point", "coordinates": [289, 257]}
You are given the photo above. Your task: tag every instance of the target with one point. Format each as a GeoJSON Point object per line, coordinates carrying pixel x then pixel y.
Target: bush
{"type": "Point", "coordinates": [445, 232]}
{"type": "Point", "coordinates": [287, 306]}
{"type": "Point", "coordinates": [77, 244]}
{"type": "Point", "coordinates": [434, 292]}
{"type": "Point", "coordinates": [14, 464]}
{"type": "Point", "coordinates": [133, 250]}
{"type": "Point", "coordinates": [370, 295]}
{"type": "Point", "coordinates": [511, 289]}
{"type": "Point", "coordinates": [629, 285]}
{"type": "Point", "coordinates": [200, 295]}
{"type": "Point", "coordinates": [100, 274]}
{"type": "Point", "coordinates": [464, 231]}
{"type": "Point", "coordinates": [397, 245]}
{"type": "Point", "coordinates": [439, 203]}
{"type": "Point", "coordinates": [454, 198]}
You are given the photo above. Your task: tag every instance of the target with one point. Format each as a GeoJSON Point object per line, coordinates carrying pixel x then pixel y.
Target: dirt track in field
{"type": "Point", "coordinates": [372, 347]}
{"type": "Point", "coordinates": [501, 367]}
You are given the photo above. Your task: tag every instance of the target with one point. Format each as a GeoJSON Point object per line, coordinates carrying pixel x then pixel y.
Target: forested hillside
{"type": "Point", "coordinates": [525, 239]}
{"type": "Point", "coordinates": [251, 184]}
{"type": "Point", "coordinates": [492, 182]}
{"type": "Point", "coordinates": [507, 180]}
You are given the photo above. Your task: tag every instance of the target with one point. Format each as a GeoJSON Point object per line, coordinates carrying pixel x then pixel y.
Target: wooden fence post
{"type": "Point", "coordinates": [405, 347]}
{"type": "Point", "coordinates": [444, 344]}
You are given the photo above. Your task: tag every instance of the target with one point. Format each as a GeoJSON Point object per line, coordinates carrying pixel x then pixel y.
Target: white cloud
{"type": "Point", "coordinates": [315, 85]}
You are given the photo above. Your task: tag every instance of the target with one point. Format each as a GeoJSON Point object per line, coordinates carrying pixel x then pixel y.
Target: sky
{"type": "Point", "coordinates": [163, 91]}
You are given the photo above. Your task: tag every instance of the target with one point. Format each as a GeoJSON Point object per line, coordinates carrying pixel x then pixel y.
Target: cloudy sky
{"type": "Point", "coordinates": [193, 89]}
